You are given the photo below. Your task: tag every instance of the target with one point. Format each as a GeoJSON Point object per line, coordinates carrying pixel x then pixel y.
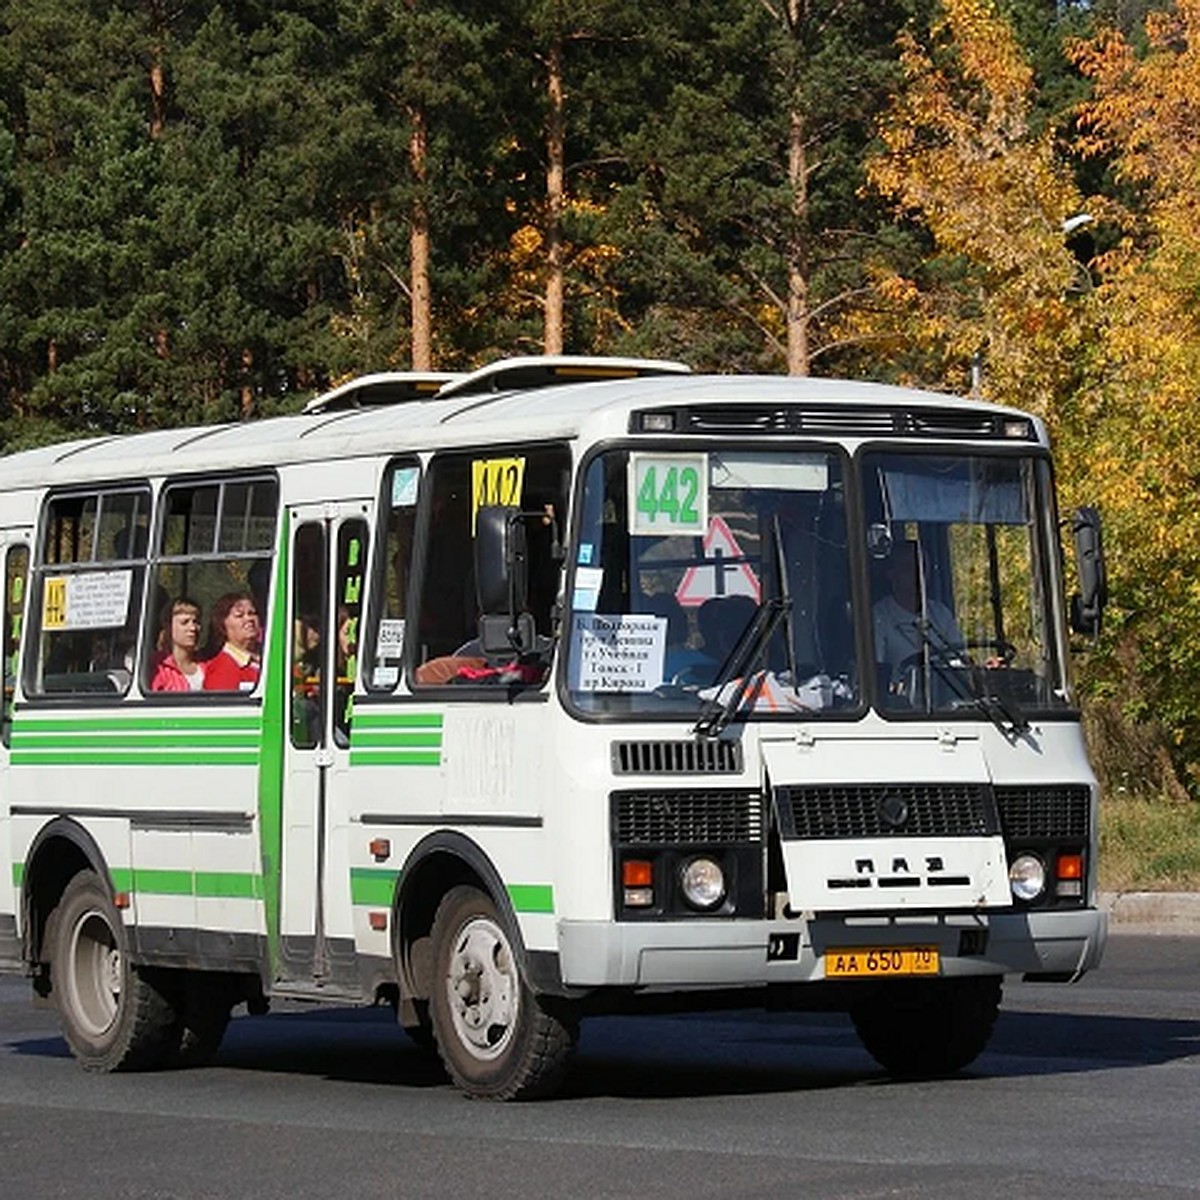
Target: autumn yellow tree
{"type": "Point", "coordinates": [962, 159]}
{"type": "Point", "coordinates": [1142, 417]}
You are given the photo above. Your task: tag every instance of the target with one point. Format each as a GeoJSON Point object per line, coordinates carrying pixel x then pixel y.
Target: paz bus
{"type": "Point", "coordinates": [563, 687]}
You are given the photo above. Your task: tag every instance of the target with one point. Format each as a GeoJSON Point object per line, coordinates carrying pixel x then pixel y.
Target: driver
{"type": "Point", "coordinates": [897, 617]}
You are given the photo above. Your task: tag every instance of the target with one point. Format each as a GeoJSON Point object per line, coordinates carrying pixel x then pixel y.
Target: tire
{"type": "Point", "coordinates": [113, 1017]}
{"type": "Point", "coordinates": [930, 1028]}
{"type": "Point", "coordinates": [496, 1038]}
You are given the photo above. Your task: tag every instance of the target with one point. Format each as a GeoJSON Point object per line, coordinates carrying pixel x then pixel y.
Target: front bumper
{"type": "Point", "coordinates": [726, 954]}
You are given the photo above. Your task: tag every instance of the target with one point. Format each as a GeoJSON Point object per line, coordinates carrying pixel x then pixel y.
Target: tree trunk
{"type": "Point", "coordinates": [555, 173]}
{"type": "Point", "coordinates": [421, 298]}
{"type": "Point", "coordinates": [797, 315]}
{"type": "Point", "coordinates": [797, 256]}
{"type": "Point", "coordinates": [247, 389]}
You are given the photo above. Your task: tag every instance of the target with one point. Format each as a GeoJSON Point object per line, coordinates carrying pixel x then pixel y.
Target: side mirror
{"type": "Point", "coordinates": [1087, 605]}
{"type": "Point", "coordinates": [501, 581]}
{"type": "Point", "coordinates": [500, 577]}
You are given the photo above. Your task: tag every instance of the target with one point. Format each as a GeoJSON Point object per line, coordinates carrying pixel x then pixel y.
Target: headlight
{"type": "Point", "coordinates": [1027, 877]}
{"type": "Point", "coordinates": [703, 882]}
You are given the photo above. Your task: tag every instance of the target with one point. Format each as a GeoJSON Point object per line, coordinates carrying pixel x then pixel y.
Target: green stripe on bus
{"type": "Point", "coordinates": [233, 885]}
{"type": "Point", "coordinates": [135, 758]}
{"type": "Point", "coordinates": [395, 758]}
{"type": "Point", "coordinates": [18, 874]}
{"type": "Point", "coordinates": [250, 723]}
{"type": "Point", "coordinates": [370, 720]}
{"type": "Point", "coordinates": [274, 725]}
{"type": "Point", "coordinates": [386, 738]}
{"type": "Point", "coordinates": [23, 740]}
{"type": "Point", "coordinates": [531, 897]}
{"type": "Point", "coordinates": [373, 885]}
{"type": "Point", "coordinates": [152, 882]}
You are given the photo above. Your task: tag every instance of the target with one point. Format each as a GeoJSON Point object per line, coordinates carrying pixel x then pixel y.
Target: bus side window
{"type": "Point", "coordinates": [16, 573]}
{"type": "Point", "coordinates": [533, 480]}
{"type": "Point", "coordinates": [383, 652]}
{"type": "Point", "coordinates": [309, 608]}
{"type": "Point", "coordinates": [213, 557]}
{"type": "Point", "coordinates": [351, 570]}
{"type": "Point", "coordinates": [89, 580]}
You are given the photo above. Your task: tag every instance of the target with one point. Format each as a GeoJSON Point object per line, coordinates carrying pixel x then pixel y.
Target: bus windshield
{"type": "Point", "coordinates": [721, 580]}
{"type": "Point", "coordinates": [683, 555]}
{"type": "Point", "coordinates": [960, 584]}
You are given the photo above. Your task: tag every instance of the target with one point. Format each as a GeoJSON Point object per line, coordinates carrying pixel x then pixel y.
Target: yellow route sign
{"type": "Point", "coordinates": [496, 481]}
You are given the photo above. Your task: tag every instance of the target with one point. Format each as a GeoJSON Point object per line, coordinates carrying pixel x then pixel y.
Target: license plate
{"type": "Point", "coordinates": [874, 962]}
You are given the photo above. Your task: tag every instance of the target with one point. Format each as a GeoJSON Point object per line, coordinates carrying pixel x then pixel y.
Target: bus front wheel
{"type": "Point", "coordinates": [496, 1038]}
{"type": "Point", "coordinates": [112, 1017]}
{"type": "Point", "coordinates": [925, 1029]}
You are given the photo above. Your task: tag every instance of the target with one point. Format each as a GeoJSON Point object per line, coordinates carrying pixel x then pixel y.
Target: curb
{"type": "Point", "coordinates": [1164, 912]}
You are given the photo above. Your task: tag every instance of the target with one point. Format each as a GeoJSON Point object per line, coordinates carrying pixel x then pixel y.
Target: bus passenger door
{"type": "Point", "coordinates": [14, 552]}
{"type": "Point", "coordinates": [327, 569]}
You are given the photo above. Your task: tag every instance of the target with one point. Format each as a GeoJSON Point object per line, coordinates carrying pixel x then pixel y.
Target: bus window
{"type": "Point", "coordinates": [384, 651]}
{"type": "Point", "coordinates": [16, 570]}
{"type": "Point", "coordinates": [214, 559]}
{"type": "Point", "coordinates": [351, 569]}
{"type": "Point", "coordinates": [89, 580]}
{"type": "Point", "coordinates": [531, 479]}
{"type": "Point", "coordinates": [308, 635]}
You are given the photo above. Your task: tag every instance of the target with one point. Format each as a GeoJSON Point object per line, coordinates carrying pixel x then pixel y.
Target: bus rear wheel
{"type": "Point", "coordinates": [113, 1017]}
{"type": "Point", "coordinates": [496, 1038]}
{"type": "Point", "coordinates": [926, 1029]}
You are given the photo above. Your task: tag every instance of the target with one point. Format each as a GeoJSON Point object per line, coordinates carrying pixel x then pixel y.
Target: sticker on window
{"type": "Point", "coordinates": [668, 493]}
{"type": "Point", "coordinates": [389, 643]}
{"type": "Point", "coordinates": [617, 653]}
{"type": "Point", "coordinates": [587, 588]}
{"type": "Point", "coordinates": [93, 600]}
{"type": "Point", "coordinates": [404, 487]}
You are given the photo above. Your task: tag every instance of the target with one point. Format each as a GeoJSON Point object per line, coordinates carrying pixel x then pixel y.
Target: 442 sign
{"type": "Point", "coordinates": [668, 493]}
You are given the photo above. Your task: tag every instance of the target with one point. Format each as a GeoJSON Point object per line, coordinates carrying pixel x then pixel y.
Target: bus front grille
{"type": "Point", "coordinates": [696, 757]}
{"type": "Point", "coordinates": [885, 810]}
{"type": "Point", "coordinates": [1045, 812]}
{"type": "Point", "coordinates": [686, 818]}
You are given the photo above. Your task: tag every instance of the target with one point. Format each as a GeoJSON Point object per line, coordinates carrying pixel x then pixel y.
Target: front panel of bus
{"type": "Point", "coordinates": [825, 682]}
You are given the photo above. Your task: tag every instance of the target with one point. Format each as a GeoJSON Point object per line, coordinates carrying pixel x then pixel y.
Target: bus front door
{"type": "Point", "coordinates": [327, 569]}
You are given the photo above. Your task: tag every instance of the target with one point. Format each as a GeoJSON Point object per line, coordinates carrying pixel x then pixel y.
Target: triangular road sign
{"type": "Point", "coordinates": [721, 574]}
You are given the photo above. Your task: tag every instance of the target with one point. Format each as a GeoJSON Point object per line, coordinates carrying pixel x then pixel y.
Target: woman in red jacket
{"type": "Point", "coordinates": [234, 627]}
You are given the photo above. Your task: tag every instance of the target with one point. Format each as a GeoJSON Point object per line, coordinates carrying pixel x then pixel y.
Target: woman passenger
{"type": "Point", "coordinates": [178, 668]}
{"type": "Point", "coordinates": [234, 628]}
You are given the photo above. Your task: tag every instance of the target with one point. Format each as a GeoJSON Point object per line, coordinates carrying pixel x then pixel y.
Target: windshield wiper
{"type": "Point", "coordinates": [992, 707]}
{"type": "Point", "coordinates": [743, 660]}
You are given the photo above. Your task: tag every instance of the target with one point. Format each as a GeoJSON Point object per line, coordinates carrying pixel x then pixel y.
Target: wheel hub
{"type": "Point", "coordinates": [483, 989]}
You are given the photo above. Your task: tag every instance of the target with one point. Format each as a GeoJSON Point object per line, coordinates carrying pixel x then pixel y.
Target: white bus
{"type": "Point", "coordinates": [567, 686]}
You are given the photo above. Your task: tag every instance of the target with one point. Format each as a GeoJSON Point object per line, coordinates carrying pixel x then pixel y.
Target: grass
{"type": "Point", "coordinates": [1149, 845]}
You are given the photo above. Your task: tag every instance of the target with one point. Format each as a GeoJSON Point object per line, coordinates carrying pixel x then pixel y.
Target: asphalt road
{"type": "Point", "coordinates": [1091, 1090]}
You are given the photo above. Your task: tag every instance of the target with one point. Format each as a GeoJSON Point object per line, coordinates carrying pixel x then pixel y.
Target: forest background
{"type": "Point", "coordinates": [211, 211]}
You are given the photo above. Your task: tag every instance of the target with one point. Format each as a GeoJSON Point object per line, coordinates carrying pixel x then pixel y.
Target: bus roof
{"type": "Point", "coordinates": [352, 423]}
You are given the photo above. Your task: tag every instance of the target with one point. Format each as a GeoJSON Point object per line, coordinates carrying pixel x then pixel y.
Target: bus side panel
{"type": "Point", "coordinates": [186, 784]}
{"type": "Point", "coordinates": [478, 768]}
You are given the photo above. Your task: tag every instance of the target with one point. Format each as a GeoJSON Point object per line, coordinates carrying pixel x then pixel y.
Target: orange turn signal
{"type": "Point", "coordinates": [1070, 866]}
{"type": "Point", "coordinates": [637, 873]}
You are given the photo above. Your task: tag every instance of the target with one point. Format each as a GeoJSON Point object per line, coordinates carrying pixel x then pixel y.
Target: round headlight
{"type": "Point", "coordinates": [1027, 877]}
{"type": "Point", "coordinates": [703, 882]}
